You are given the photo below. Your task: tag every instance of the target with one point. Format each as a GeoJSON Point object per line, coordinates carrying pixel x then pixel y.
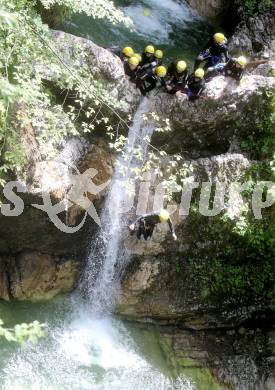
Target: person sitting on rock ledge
{"type": "Point", "coordinates": [145, 225]}
{"type": "Point", "coordinates": [124, 54]}
{"type": "Point", "coordinates": [157, 61]}
{"type": "Point", "coordinates": [148, 56]}
{"type": "Point", "coordinates": [196, 85]}
{"type": "Point", "coordinates": [151, 78]}
{"type": "Point", "coordinates": [234, 68]}
{"type": "Point", "coordinates": [131, 68]}
{"type": "Point", "coordinates": [178, 75]}
{"type": "Point", "coordinates": [216, 53]}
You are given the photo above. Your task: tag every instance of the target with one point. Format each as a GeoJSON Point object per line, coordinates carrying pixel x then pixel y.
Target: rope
{"type": "Point", "coordinates": [81, 82]}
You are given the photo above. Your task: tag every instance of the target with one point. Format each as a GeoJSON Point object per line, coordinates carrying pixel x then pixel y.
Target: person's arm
{"type": "Point", "coordinates": [134, 225]}
{"type": "Point", "coordinates": [226, 54]}
{"type": "Point", "coordinates": [239, 76]}
{"type": "Point", "coordinates": [201, 89]}
{"type": "Point", "coordinates": [171, 226]}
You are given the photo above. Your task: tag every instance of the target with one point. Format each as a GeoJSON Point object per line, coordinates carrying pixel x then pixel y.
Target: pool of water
{"type": "Point", "coordinates": [84, 352]}
{"type": "Point", "coordinates": [170, 25]}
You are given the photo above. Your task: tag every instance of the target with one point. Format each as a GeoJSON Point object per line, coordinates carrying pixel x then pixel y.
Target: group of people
{"type": "Point", "coordinates": [148, 72]}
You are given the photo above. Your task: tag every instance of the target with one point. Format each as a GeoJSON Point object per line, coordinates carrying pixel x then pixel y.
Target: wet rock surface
{"type": "Point", "coordinates": [255, 37]}
{"type": "Point", "coordinates": [208, 127]}
{"type": "Point", "coordinates": [210, 8]}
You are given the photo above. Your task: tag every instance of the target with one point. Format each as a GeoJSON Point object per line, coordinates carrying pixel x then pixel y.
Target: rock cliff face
{"type": "Point", "coordinates": [202, 129]}
{"type": "Point", "coordinates": [210, 8]}
{"type": "Point", "coordinates": [189, 283]}
{"type": "Point", "coordinates": [255, 36]}
{"type": "Point", "coordinates": [209, 126]}
{"type": "Point", "coordinates": [38, 260]}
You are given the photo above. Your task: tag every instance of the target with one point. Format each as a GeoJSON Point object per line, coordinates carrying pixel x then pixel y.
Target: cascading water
{"type": "Point", "coordinates": [107, 257]}
{"type": "Point", "coordinates": [90, 350]}
{"type": "Point", "coordinates": [87, 348]}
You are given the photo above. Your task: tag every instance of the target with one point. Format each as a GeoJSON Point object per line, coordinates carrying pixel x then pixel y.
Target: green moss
{"type": "Point", "coordinates": [235, 262]}
{"type": "Point", "coordinates": [187, 367]}
{"type": "Point", "coordinates": [253, 7]}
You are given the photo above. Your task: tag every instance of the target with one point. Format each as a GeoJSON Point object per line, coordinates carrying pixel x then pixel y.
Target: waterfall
{"type": "Point", "coordinates": [107, 259]}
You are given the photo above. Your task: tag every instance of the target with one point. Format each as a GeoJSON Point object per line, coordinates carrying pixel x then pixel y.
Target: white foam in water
{"type": "Point", "coordinates": [162, 16]}
{"type": "Point", "coordinates": [107, 351]}
{"type": "Point", "coordinates": [102, 290]}
{"type": "Point", "coordinates": [86, 354]}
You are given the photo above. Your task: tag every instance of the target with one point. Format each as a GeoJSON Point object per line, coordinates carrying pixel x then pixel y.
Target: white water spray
{"type": "Point", "coordinates": [107, 259]}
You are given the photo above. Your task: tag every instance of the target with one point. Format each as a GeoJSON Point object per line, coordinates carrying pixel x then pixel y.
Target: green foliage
{"type": "Point", "coordinates": [100, 9]}
{"type": "Point", "coordinates": [26, 53]}
{"type": "Point", "coordinates": [236, 263]}
{"type": "Point", "coordinates": [260, 143]}
{"type": "Point", "coordinates": [253, 7]}
{"type": "Point", "coordinates": [23, 333]}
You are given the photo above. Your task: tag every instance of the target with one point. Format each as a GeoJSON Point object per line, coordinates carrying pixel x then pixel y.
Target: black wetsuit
{"type": "Point", "coordinates": [148, 80]}
{"type": "Point", "coordinates": [150, 65]}
{"type": "Point", "coordinates": [233, 71]}
{"type": "Point", "coordinates": [176, 80]}
{"type": "Point", "coordinates": [129, 72]}
{"type": "Point", "coordinates": [195, 87]}
{"type": "Point", "coordinates": [146, 60]}
{"type": "Point", "coordinates": [145, 225]}
{"type": "Point", "coordinates": [230, 69]}
{"type": "Point", "coordinates": [214, 54]}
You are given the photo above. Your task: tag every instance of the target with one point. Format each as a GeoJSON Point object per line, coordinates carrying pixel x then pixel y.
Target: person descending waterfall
{"type": "Point", "coordinates": [145, 225]}
{"type": "Point", "coordinates": [196, 85]}
{"type": "Point", "coordinates": [148, 56]}
{"type": "Point", "coordinates": [124, 54]}
{"type": "Point", "coordinates": [177, 78]}
{"type": "Point", "coordinates": [234, 68]}
{"type": "Point", "coordinates": [216, 52]}
{"type": "Point", "coordinates": [131, 68]}
{"type": "Point", "coordinates": [151, 78]}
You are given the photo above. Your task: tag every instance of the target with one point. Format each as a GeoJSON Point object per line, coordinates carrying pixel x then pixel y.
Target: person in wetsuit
{"type": "Point", "coordinates": [124, 54]}
{"type": "Point", "coordinates": [145, 225]}
{"type": "Point", "coordinates": [234, 68]}
{"type": "Point", "coordinates": [151, 78]}
{"type": "Point", "coordinates": [216, 52]}
{"type": "Point", "coordinates": [177, 77]}
{"type": "Point", "coordinates": [196, 85]}
{"type": "Point", "coordinates": [148, 56]}
{"type": "Point", "coordinates": [131, 68]}
{"type": "Point", "coordinates": [157, 61]}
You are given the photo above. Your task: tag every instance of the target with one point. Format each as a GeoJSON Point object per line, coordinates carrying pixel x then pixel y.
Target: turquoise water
{"type": "Point", "coordinates": [171, 26]}
{"type": "Point", "coordinates": [83, 352]}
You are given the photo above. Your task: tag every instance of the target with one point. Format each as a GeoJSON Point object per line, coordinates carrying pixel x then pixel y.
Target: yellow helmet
{"type": "Point", "coordinates": [138, 56]}
{"type": "Point", "coordinates": [161, 71]}
{"type": "Point", "coordinates": [133, 61]}
{"type": "Point", "coordinates": [181, 66]}
{"type": "Point", "coordinates": [149, 49]}
{"type": "Point", "coordinates": [199, 73]}
{"type": "Point", "coordinates": [159, 54]}
{"type": "Point", "coordinates": [128, 51]}
{"type": "Point", "coordinates": [164, 216]}
{"type": "Point", "coordinates": [242, 61]}
{"type": "Point", "coordinates": [219, 38]}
